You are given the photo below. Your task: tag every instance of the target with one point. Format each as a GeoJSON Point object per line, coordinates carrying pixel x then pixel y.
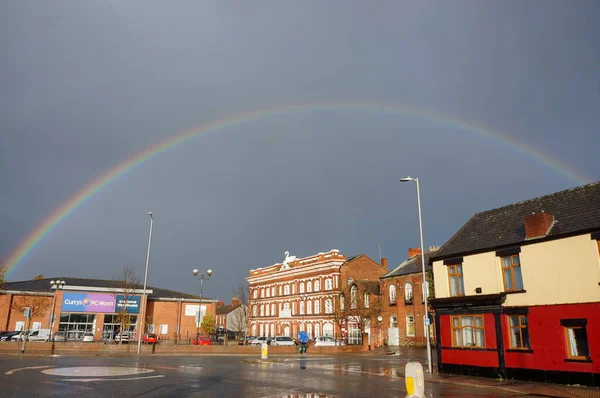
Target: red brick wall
{"type": "Point", "coordinates": [361, 268]}
{"type": "Point", "coordinates": [172, 313]}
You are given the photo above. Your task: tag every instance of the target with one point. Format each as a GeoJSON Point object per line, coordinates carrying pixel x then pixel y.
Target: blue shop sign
{"type": "Point", "coordinates": [130, 303]}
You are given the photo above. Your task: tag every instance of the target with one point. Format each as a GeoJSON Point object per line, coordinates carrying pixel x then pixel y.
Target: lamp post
{"type": "Point", "coordinates": [201, 278]}
{"type": "Point", "coordinates": [303, 297]}
{"type": "Point", "coordinates": [143, 312]}
{"type": "Point", "coordinates": [425, 282]}
{"type": "Point", "coordinates": [54, 287]}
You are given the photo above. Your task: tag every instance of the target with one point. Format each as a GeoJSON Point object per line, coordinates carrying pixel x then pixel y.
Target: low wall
{"type": "Point", "coordinates": [78, 348]}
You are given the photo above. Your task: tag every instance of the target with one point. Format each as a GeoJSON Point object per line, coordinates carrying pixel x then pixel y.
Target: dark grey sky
{"type": "Point", "coordinates": [87, 84]}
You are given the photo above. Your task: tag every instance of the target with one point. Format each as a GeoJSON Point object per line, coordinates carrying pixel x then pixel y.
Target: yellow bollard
{"type": "Point", "coordinates": [414, 380]}
{"type": "Point", "coordinates": [264, 349]}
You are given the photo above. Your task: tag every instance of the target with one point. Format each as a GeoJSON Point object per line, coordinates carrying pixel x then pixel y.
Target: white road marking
{"type": "Point", "coordinates": [96, 371]}
{"type": "Point", "coordinates": [27, 368]}
{"type": "Point", "coordinates": [128, 378]}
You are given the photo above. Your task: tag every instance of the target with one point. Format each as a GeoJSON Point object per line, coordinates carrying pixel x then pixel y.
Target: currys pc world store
{"type": "Point", "coordinates": [94, 312]}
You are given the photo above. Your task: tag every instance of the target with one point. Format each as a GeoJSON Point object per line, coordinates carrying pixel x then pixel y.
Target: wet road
{"type": "Point", "coordinates": [211, 376]}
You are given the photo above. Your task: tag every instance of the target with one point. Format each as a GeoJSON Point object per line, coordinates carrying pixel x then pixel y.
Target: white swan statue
{"type": "Point", "coordinates": [288, 259]}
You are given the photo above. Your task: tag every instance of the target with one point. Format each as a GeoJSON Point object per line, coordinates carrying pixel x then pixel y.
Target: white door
{"type": "Point", "coordinates": [393, 336]}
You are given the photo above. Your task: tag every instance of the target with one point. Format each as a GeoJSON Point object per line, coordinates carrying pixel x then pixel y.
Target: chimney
{"type": "Point", "coordinates": [538, 224]}
{"type": "Point", "coordinates": [235, 301]}
{"type": "Point", "coordinates": [384, 263]}
{"type": "Point", "coordinates": [413, 251]}
{"type": "Point", "coordinates": [220, 303]}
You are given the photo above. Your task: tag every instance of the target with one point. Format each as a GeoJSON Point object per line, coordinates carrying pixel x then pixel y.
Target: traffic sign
{"type": "Point", "coordinates": [27, 313]}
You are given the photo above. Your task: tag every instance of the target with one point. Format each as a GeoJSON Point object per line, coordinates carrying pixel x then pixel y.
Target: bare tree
{"type": "Point", "coordinates": [38, 306]}
{"type": "Point", "coordinates": [240, 316]}
{"type": "Point", "coordinates": [358, 303]}
{"type": "Point", "coordinates": [3, 272]}
{"type": "Point", "coordinates": [124, 291]}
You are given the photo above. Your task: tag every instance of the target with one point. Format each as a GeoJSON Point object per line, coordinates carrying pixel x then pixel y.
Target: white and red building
{"type": "Point", "coordinates": [518, 291]}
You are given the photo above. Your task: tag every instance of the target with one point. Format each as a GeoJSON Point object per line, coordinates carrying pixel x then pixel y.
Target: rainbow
{"type": "Point", "coordinates": [70, 205]}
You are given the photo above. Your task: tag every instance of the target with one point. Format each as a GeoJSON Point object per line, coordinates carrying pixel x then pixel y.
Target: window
{"type": "Point", "coordinates": [262, 292]}
{"type": "Point", "coordinates": [262, 310]}
{"type": "Point", "coordinates": [280, 290]}
{"type": "Point", "coordinates": [309, 307]}
{"type": "Point", "coordinates": [294, 288]}
{"type": "Point", "coordinates": [342, 302]}
{"type": "Point", "coordinates": [328, 284]}
{"type": "Point", "coordinates": [455, 275]}
{"type": "Point", "coordinates": [255, 294]}
{"type": "Point", "coordinates": [267, 310]}
{"type": "Point", "coordinates": [308, 286]}
{"type": "Point", "coordinates": [392, 294]}
{"type": "Point", "coordinates": [519, 332]}
{"type": "Point", "coordinates": [286, 290]}
{"type": "Point", "coordinates": [366, 300]}
{"type": "Point", "coordinates": [254, 311]}
{"type": "Point", "coordinates": [576, 339]}
{"type": "Point", "coordinates": [467, 331]}
{"type": "Point", "coordinates": [267, 292]}
{"type": "Point", "coordinates": [273, 291]}
{"type": "Point", "coordinates": [408, 293]}
{"type": "Point", "coordinates": [410, 326]}
{"type": "Point", "coordinates": [317, 307]}
{"type": "Point", "coordinates": [353, 297]}
{"type": "Point", "coordinates": [302, 287]}
{"type": "Point", "coordinates": [317, 286]}
{"type": "Point", "coordinates": [302, 308]}
{"type": "Point", "coordinates": [272, 309]}
{"type": "Point", "coordinates": [393, 322]}
{"type": "Point", "coordinates": [511, 271]}
{"type": "Point", "coordinates": [329, 306]}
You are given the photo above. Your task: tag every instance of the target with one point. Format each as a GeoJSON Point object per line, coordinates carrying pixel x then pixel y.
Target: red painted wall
{"type": "Point", "coordinates": [547, 338]}
{"type": "Point", "coordinates": [475, 357]}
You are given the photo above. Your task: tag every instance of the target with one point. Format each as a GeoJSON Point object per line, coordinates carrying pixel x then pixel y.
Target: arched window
{"type": "Point", "coordinates": [408, 293]}
{"type": "Point", "coordinates": [262, 292]}
{"type": "Point", "coordinates": [273, 291]}
{"type": "Point", "coordinates": [294, 308]}
{"type": "Point", "coordinates": [254, 311]}
{"type": "Point", "coordinates": [293, 288]}
{"type": "Point", "coordinates": [342, 304]}
{"type": "Point", "coordinates": [302, 308]}
{"type": "Point", "coordinates": [255, 293]}
{"type": "Point", "coordinates": [317, 285]}
{"type": "Point", "coordinates": [317, 307]}
{"type": "Point", "coordinates": [301, 287]}
{"type": "Point", "coordinates": [272, 309]}
{"type": "Point", "coordinates": [410, 325]}
{"type": "Point", "coordinates": [353, 297]}
{"type": "Point", "coordinates": [262, 310]}
{"type": "Point", "coordinates": [286, 290]}
{"type": "Point", "coordinates": [393, 322]}
{"type": "Point", "coordinates": [267, 310]}
{"type": "Point", "coordinates": [309, 307]}
{"type": "Point", "coordinates": [392, 294]}
{"type": "Point", "coordinates": [309, 286]}
{"type": "Point", "coordinates": [280, 290]}
{"type": "Point", "coordinates": [267, 291]}
{"type": "Point", "coordinates": [328, 284]}
{"type": "Point", "coordinates": [329, 306]}
{"type": "Point", "coordinates": [366, 300]}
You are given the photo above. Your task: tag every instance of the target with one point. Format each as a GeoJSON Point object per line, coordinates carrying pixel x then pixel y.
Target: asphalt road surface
{"type": "Point", "coordinates": [211, 376]}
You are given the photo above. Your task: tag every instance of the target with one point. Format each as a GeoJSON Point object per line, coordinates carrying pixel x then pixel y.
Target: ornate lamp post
{"type": "Point", "coordinates": [200, 277]}
{"type": "Point", "coordinates": [54, 287]}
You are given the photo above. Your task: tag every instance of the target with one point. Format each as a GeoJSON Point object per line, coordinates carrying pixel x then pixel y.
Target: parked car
{"type": "Point", "coordinates": [7, 336]}
{"type": "Point", "coordinates": [326, 341]}
{"type": "Point", "coordinates": [282, 340]}
{"type": "Point", "coordinates": [260, 340]}
{"type": "Point", "coordinates": [19, 336]}
{"type": "Point", "coordinates": [201, 340]}
{"type": "Point", "coordinates": [150, 338]}
{"type": "Point", "coordinates": [123, 338]}
{"type": "Point", "coordinates": [88, 337]}
{"type": "Point", "coordinates": [60, 336]}
{"type": "Point", "coordinates": [247, 341]}
{"type": "Point", "coordinates": [39, 335]}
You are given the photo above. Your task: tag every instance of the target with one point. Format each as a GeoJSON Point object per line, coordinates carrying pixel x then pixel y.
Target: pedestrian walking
{"type": "Point", "coordinates": [303, 337]}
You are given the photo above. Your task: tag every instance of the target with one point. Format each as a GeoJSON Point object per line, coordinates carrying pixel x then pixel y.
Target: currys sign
{"type": "Point", "coordinates": [88, 302]}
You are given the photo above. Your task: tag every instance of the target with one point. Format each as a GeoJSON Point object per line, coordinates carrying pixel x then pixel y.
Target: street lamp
{"type": "Point", "coordinates": [425, 283]}
{"type": "Point", "coordinates": [143, 312]}
{"type": "Point", "coordinates": [54, 287]}
{"type": "Point", "coordinates": [303, 297]}
{"type": "Point", "coordinates": [201, 278]}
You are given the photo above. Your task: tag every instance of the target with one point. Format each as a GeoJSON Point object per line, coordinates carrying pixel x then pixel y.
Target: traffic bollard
{"type": "Point", "coordinates": [414, 380]}
{"type": "Point", "coordinates": [263, 351]}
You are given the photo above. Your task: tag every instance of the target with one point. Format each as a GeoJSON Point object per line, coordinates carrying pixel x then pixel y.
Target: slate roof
{"type": "Point", "coordinates": [226, 309]}
{"type": "Point", "coordinates": [576, 211]}
{"type": "Point", "coordinates": [411, 266]}
{"type": "Point", "coordinates": [43, 285]}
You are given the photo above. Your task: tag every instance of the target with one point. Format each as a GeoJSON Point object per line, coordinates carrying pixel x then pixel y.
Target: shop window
{"type": "Point", "coordinates": [576, 339]}
{"type": "Point", "coordinates": [455, 277]}
{"type": "Point", "coordinates": [511, 273]}
{"type": "Point", "coordinates": [410, 326]}
{"type": "Point", "coordinates": [392, 295]}
{"type": "Point", "coordinates": [519, 332]}
{"type": "Point", "coordinates": [468, 331]}
{"type": "Point", "coordinates": [328, 284]}
{"type": "Point", "coordinates": [408, 293]}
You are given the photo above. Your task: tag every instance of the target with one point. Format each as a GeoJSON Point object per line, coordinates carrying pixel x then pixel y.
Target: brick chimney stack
{"type": "Point", "coordinates": [220, 303]}
{"type": "Point", "coordinates": [538, 224]}
{"type": "Point", "coordinates": [413, 251]}
{"type": "Point", "coordinates": [384, 263]}
{"type": "Point", "coordinates": [235, 301]}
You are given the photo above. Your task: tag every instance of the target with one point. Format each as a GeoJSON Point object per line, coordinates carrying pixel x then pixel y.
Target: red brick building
{"type": "Point", "coordinates": [303, 294]}
{"type": "Point", "coordinates": [92, 305]}
{"type": "Point", "coordinates": [403, 308]}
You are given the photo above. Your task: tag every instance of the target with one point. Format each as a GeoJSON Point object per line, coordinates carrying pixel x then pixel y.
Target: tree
{"type": "Point", "coordinates": [125, 286]}
{"type": "Point", "coordinates": [208, 324]}
{"type": "Point", "coordinates": [3, 272]}
{"type": "Point", "coordinates": [38, 306]}
{"type": "Point", "coordinates": [354, 307]}
{"type": "Point", "coordinates": [39, 277]}
{"type": "Point", "coordinates": [240, 316]}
